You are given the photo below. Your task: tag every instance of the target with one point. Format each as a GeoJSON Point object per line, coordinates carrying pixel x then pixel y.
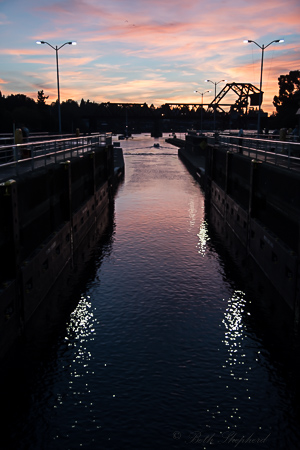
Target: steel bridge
{"type": "Point", "coordinates": [244, 91]}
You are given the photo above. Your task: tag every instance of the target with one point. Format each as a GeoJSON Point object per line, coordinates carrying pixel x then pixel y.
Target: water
{"type": "Point", "coordinates": [163, 347]}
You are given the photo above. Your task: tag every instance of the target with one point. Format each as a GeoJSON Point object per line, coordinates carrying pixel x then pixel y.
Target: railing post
{"type": "Point", "coordinates": [32, 161]}
{"type": "Point", "coordinates": [289, 155]}
{"type": "Point", "coordinates": [45, 157]}
{"type": "Point", "coordinates": [276, 152]}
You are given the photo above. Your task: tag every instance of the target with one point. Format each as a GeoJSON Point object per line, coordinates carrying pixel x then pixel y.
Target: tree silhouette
{"type": "Point", "coordinates": [90, 116]}
{"type": "Point", "coordinates": [287, 102]}
{"type": "Point", "coordinates": [42, 98]}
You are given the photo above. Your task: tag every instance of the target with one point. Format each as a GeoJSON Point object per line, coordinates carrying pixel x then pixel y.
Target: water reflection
{"type": "Point", "coordinates": [161, 342]}
{"type": "Point", "coordinates": [192, 212]}
{"type": "Point", "coordinates": [233, 322]}
{"type": "Point", "coordinates": [203, 238]}
{"type": "Point", "coordinates": [81, 323]}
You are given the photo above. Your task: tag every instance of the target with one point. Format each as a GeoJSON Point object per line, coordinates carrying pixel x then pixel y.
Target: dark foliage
{"type": "Point", "coordinates": [89, 116]}
{"type": "Point", "coordinates": [287, 102]}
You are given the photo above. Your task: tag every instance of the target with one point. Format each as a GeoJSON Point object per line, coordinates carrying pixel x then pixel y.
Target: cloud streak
{"type": "Point", "coordinates": [145, 50]}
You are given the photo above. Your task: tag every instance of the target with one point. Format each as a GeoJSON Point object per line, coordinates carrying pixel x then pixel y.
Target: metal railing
{"type": "Point", "coordinates": [9, 139]}
{"type": "Point", "coordinates": [281, 153]}
{"type": "Point", "coordinates": [20, 158]}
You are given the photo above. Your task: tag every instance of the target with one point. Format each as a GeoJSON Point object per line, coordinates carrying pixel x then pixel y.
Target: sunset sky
{"type": "Point", "coordinates": [153, 51]}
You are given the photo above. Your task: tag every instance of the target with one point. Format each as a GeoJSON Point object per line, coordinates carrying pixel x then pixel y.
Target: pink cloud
{"type": "Point", "coordinates": [18, 51]}
{"type": "Point", "coordinates": [181, 42]}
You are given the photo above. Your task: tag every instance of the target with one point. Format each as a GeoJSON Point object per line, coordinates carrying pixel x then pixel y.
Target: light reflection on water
{"type": "Point", "coordinates": [161, 350]}
{"type": "Point", "coordinates": [203, 238]}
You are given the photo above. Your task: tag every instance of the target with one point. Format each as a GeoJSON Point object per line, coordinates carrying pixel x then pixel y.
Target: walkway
{"type": "Point", "coordinates": [43, 153]}
{"type": "Point", "coordinates": [285, 154]}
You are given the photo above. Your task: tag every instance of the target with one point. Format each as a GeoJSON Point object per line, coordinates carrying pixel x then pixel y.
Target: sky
{"type": "Point", "coordinates": [153, 51]}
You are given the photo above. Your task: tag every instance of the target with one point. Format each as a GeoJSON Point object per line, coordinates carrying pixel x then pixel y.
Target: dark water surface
{"type": "Point", "coordinates": [163, 349]}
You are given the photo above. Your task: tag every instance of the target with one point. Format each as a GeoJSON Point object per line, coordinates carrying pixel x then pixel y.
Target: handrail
{"type": "Point", "coordinates": [14, 151]}
{"type": "Point", "coordinates": [19, 158]}
{"type": "Point", "coordinates": [281, 153]}
{"type": "Point", "coordinates": [9, 139]}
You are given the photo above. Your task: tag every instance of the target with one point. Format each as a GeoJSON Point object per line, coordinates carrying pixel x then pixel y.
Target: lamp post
{"type": "Point", "coordinates": [57, 73]}
{"type": "Point", "coordinates": [262, 47]}
{"type": "Point", "coordinates": [215, 83]}
{"type": "Point", "coordinates": [201, 93]}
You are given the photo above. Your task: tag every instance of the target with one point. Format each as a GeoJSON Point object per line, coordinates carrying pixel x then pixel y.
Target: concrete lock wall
{"type": "Point", "coordinates": [46, 217]}
{"type": "Point", "coordinates": [278, 203]}
{"type": "Point", "coordinates": [238, 178]}
{"type": "Point", "coordinates": [218, 169]}
{"type": "Point", "coordinates": [260, 204]}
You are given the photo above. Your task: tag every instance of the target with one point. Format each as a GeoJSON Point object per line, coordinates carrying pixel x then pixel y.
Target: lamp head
{"type": "Point", "coordinates": [201, 93]}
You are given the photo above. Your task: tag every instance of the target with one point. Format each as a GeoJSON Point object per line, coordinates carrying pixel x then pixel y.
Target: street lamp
{"type": "Point", "coordinates": [58, 94]}
{"type": "Point", "coordinates": [215, 83]}
{"type": "Point", "coordinates": [262, 47]}
{"type": "Point", "coordinates": [201, 93]}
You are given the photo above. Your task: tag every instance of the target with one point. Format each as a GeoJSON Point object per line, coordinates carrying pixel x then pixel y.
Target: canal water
{"type": "Point", "coordinates": [163, 346]}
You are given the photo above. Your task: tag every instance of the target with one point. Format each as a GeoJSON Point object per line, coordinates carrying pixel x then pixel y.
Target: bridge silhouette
{"type": "Point", "coordinates": [244, 91]}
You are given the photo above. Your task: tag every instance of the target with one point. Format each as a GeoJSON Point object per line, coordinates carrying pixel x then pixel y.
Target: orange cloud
{"type": "Point", "coordinates": [138, 50]}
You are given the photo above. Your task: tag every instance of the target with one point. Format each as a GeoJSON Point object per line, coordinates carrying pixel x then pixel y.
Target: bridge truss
{"type": "Point", "coordinates": [244, 91]}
